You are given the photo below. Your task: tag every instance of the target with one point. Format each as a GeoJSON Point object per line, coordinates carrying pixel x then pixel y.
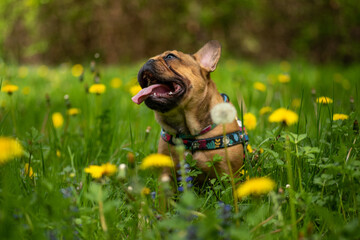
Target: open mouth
{"type": "Point", "coordinates": [158, 89]}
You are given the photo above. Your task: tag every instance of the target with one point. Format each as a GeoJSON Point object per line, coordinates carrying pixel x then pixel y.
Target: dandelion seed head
{"type": "Point", "coordinates": [223, 113]}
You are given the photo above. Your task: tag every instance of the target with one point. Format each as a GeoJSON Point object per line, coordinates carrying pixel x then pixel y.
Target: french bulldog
{"type": "Point", "coordinates": [178, 87]}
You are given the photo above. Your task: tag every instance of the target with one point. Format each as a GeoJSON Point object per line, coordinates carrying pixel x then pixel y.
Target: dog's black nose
{"type": "Point", "coordinates": [150, 61]}
{"type": "Point", "coordinates": [149, 64]}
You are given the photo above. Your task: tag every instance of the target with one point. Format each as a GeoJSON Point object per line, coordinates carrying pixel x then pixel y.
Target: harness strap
{"type": "Point", "coordinates": [190, 143]}
{"type": "Point", "coordinates": [212, 143]}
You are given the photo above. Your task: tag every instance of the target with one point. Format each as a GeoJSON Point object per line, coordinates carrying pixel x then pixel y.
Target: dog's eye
{"type": "Point", "coordinates": [170, 56]}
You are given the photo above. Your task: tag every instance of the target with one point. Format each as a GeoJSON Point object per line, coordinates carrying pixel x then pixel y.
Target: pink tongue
{"type": "Point", "coordinates": [146, 92]}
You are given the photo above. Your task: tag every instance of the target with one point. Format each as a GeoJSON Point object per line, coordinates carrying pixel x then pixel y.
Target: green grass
{"type": "Point", "coordinates": [61, 201]}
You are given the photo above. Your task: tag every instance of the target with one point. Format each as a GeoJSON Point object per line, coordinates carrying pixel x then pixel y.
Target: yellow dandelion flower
{"type": "Point", "coordinates": [135, 90]}
{"type": "Point", "coordinates": [9, 88]}
{"type": "Point", "coordinates": [116, 83]}
{"type": "Point", "coordinates": [324, 100]}
{"type": "Point", "coordinates": [249, 121]}
{"type": "Point", "coordinates": [57, 119]}
{"type": "Point", "coordinates": [249, 148]}
{"type": "Point", "coordinates": [156, 160]}
{"type": "Point", "coordinates": [259, 86]}
{"type": "Point", "coordinates": [95, 171]}
{"type": "Point", "coordinates": [265, 110]}
{"type": "Point", "coordinates": [283, 115]}
{"type": "Point", "coordinates": [255, 186]}
{"type": "Point", "coordinates": [23, 72]}
{"type": "Point", "coordinates": [58, 153]}
{"type": "Point", "coordinates": [295, 103]}
{"type": "Point", "coordinates": [28, 170]}
{"type": "Point", "coordinates": [9, 148]}
{"type": "Point", "coordinates": [283, 78]}
{"type": "Point", "coordinates": [109, 169]}
{"type": "Point", "coordinates": [97, 88]}
{"type": "Point", "coordinates": [43, 71]}
{"type": "Point", "coordinates": [340, 116]}
{"type": "Point", "coordinates": [243, 172]}
{"type": "Point", "coordinates": [25, 90]}
{"type": "Point", "coordinates": [73, 111]}
{"type": "Point", "coordinates": [285, 66]}
{"type": "Point", "coordinates": [77, 70]}
{"type": "Point", "coordinates": [261, 150]}
{"type": "Point", "coordinates": [145, 191]}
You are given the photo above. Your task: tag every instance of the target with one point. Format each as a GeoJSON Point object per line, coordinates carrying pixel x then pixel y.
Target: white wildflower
{"type": "Point", "coordinates": [122, 171]}
{"type": "Point", "coordinates": [165, 178]}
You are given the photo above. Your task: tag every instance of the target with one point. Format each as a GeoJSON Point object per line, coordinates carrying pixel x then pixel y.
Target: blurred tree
{"type": "Point", "coordinates": [120, 30]}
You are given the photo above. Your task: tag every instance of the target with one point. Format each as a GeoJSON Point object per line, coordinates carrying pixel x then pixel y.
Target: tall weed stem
{"type": "Point", "coordinates": [230, 171]}
{"type": "Point", "coordinates": [291, 189]}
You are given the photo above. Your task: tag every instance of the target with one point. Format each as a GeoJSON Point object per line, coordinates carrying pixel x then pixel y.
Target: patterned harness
{"type": "Point", "coordinates": [191, 143]}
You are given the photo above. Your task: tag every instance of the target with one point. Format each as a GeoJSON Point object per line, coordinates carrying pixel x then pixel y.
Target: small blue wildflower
{"type": "Point", "coordinates": [66, 192]}
{"type": "Point", "coordinates": [191, 232]}
{"type": "Point", "coordinates": [153, 195]}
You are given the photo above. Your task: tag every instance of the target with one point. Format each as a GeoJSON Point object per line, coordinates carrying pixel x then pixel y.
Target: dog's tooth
{"type": "Point", "coordinates": [170, 93]}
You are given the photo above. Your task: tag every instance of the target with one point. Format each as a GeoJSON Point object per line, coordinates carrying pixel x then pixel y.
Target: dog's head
{"type": "Point", "coordinates": [171, 79]}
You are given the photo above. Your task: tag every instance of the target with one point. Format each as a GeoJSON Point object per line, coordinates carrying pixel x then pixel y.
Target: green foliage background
{"type": "Point", "coordinates": [57, 31]}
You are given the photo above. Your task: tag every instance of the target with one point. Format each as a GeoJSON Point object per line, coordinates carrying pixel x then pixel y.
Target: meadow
{"type": "Point", "coordinates": [78, 175]}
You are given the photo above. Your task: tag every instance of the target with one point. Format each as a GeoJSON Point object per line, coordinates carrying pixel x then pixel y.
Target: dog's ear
{"type": "Point", "coordinates": [209, 55]}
